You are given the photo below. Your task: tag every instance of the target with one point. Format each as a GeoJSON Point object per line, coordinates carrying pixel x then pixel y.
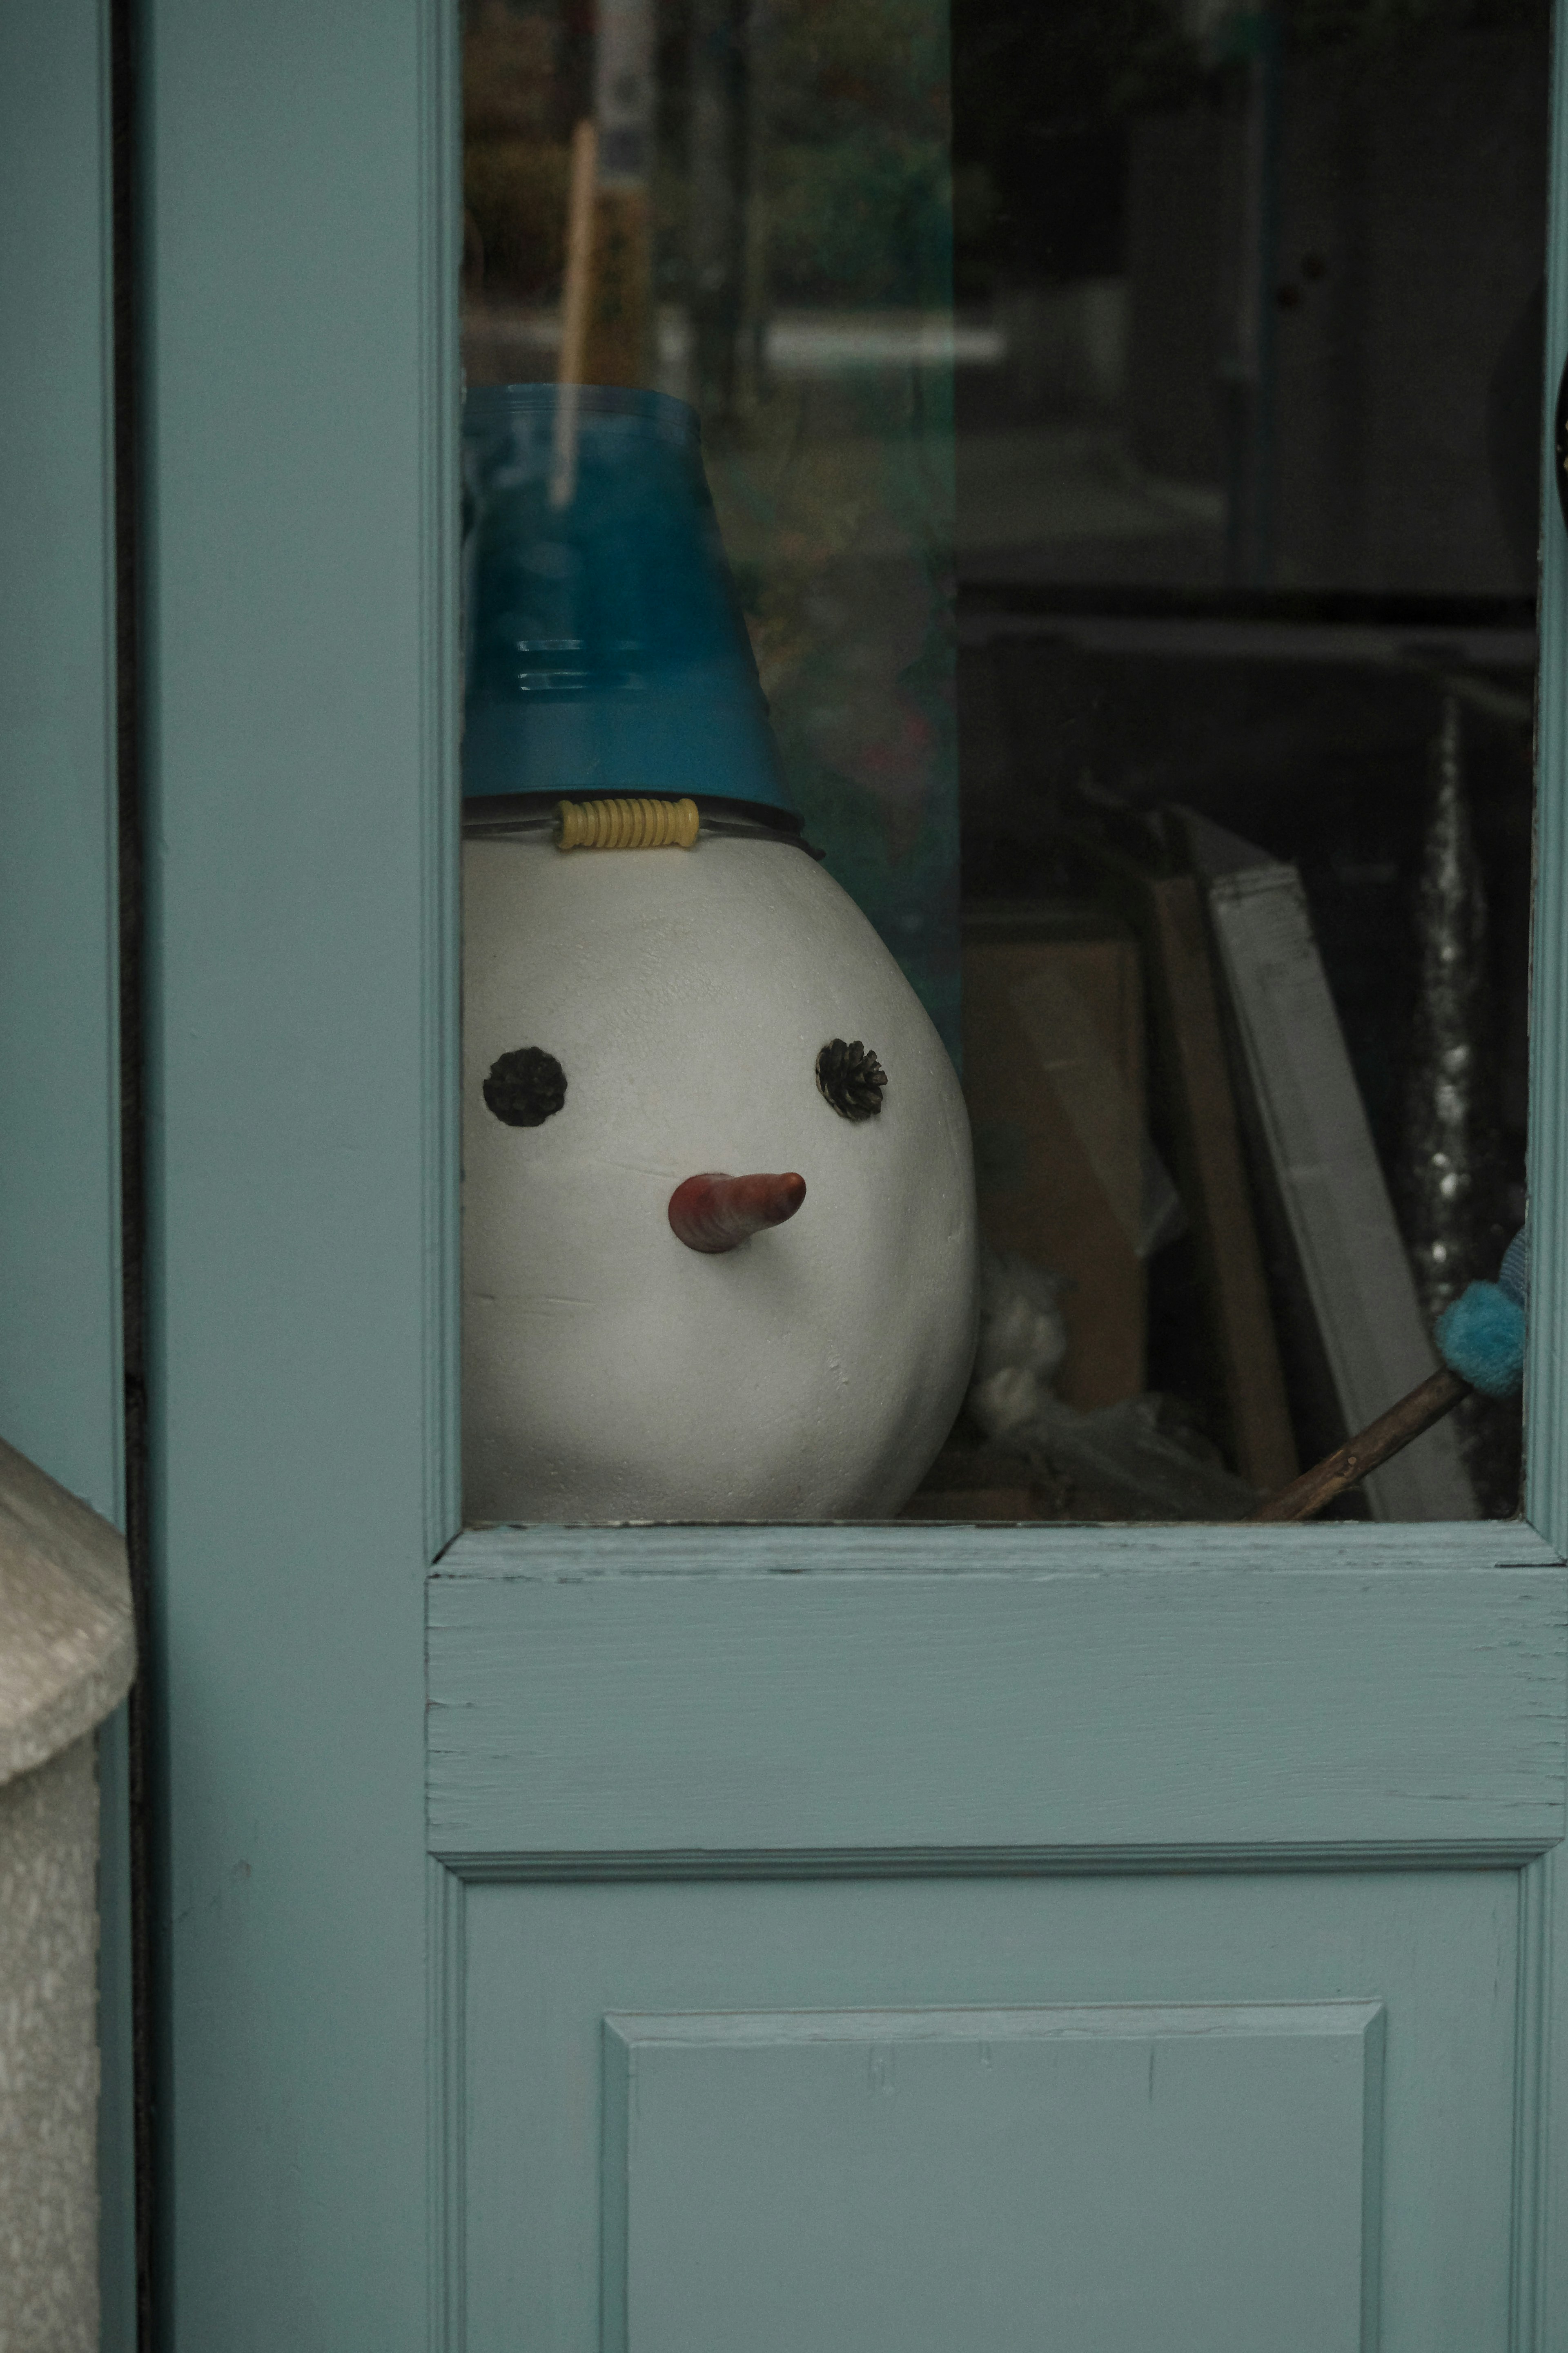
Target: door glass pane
{"type": "Point", "coordinates": [1121, 428]}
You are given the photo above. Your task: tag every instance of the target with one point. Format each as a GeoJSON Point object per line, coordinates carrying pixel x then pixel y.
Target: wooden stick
{"type": "Point", "coordinates": [575, 296]}
{"type": "Point", "coordinates": [1435, 1396]}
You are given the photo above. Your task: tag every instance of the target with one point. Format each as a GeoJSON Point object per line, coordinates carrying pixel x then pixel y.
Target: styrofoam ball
{"type": "Point", "coordinates": [610, 1371]}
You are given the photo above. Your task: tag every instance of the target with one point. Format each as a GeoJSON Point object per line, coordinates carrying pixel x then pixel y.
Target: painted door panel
{"type": "Point", "coordinates": [957, 2175]}
{"type": "Point", "coordinates": [893, 1689]}
{"type": "Point", "coordinates": [397, 2055]}
{"type": "Point", "coordinates": [737, 1842]}
{"type": "Point", "coordinates": [664, 2081]}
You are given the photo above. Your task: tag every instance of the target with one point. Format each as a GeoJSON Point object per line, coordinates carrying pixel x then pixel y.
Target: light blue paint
{"type": "Point", "coordinates": [59, 1183]}
{"type": "Point", "coordinates": [300, 393]}
{"type": "Point", "coordinates": [1201, 2176]}
{"type": "Point", "coordinates": [60, 1359]}
{"type": "Point", "coordinates": [751, 1771]}
{"type": "Point", "coordinates": [547, 1963]}
{"type": "Point", "coordinates": [936, 1690]}
{"type": "Point", "coordinates": [739, 1772]}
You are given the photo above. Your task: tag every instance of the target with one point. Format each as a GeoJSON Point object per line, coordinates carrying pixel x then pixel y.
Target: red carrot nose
{"type": "Point", "coordinates": [714, 1213]}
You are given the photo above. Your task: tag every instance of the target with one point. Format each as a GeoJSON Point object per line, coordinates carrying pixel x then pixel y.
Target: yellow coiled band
{"type": "Point", "coordinates": [627, 825]}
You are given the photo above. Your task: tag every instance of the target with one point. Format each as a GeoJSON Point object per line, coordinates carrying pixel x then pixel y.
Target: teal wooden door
{"type": "Point", "coordinates": [911, 1939]}
{"type": "Point", "coordinates": [839, 1938]}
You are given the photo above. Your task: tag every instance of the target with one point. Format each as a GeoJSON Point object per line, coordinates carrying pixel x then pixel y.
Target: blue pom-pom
{"type": "Point", "coordinates": [1481, 1338]}
{"type": "Point", "coordinates": [1514, 1275]}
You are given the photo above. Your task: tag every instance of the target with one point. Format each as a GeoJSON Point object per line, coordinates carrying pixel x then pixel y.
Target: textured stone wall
{"type": "Point", "coordinates": [49, 2056]}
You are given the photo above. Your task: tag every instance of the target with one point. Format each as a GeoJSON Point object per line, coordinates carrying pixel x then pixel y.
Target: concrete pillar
{"type": "Point", "coordinates": [67, 1656]}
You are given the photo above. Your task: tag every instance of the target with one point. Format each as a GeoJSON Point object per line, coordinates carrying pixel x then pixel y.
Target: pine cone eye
{"type": "Point", "coordinates": [526, 1087]}
{"type": "Point", "coordinates": [851, 1078]}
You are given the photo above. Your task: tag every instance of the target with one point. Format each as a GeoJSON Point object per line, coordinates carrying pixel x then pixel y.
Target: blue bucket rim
{"type": "Point", "coordinates": [660, 408]}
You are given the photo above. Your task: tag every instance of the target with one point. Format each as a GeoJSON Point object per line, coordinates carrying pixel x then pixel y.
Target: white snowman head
{"type": "Point", "coordinates": [640, 1341]}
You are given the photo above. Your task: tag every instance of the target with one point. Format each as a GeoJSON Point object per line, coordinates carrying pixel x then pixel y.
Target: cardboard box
{"type": "Point", "coordinates": [1054, 1072]}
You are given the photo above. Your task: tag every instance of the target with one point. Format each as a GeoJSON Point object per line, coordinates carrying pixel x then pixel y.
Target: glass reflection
{"type": "Point", "coordinates": [772, 242]}
{"type": "Point", "coordinates": [1143, 400]}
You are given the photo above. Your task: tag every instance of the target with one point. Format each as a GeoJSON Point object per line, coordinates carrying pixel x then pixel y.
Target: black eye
{"type": "Point", "coordinates": [851, 1078]}
{"type": "Point", "coordinates": [526, 1087]}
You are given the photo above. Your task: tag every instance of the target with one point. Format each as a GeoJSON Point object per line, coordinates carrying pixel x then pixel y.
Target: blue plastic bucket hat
{"type": "Point", "coordinates": [604, 647]}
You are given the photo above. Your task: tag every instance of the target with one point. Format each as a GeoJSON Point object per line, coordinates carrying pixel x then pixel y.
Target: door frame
{"type": "Point", "coordinates": [299, 380]}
